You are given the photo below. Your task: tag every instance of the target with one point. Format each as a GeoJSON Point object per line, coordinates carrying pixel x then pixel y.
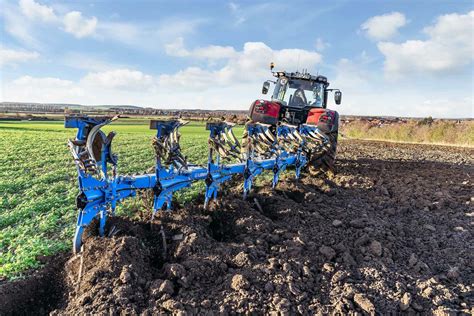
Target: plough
{"type": "Point", "coordinates": [264, 147]}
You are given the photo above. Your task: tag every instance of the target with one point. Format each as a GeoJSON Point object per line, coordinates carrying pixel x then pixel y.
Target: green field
{"type": "Point", "coordinates": [38, 183]}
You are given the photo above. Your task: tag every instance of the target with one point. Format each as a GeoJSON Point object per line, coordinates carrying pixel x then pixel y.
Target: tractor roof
{"type": "Point", "coordinates": [301, 76]}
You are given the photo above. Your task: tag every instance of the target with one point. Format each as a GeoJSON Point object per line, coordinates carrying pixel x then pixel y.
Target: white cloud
{"type": "Point", "coordinates": [27, 21]}
{"type": "Point", "coordinates": [172, 28]}
{"type": "Point", "coordinates": [88, 61]}
{"type": "Point", "coordinates": [42, 82]}
{"type": "Point", "coordinates": [177, 49]}
{"type": "Point", "coordinates": [34, 10]}
{"type": "Point", "coordinates": [191, 78]}
{"type": "Point", "coordinates": [23, 21]}
{"type": "Point", "coordinates": [233, 6]}
{"type": "Point", "coordinates": [243, 12]}
{"type": "Point", "coordinates": [383, 27]}
{"type": "Point", "coordinates": [444, 107]}
{"type": "Point", "coordinates": [321, 44]}
{"type": "Point", "coordinates": [12, 56]}
{"type": "Point", "coordinates": [55, 90]}
{"type": "Point", "coordinates": [120, 86]}
{"type": "Point", "coordinates": [79, 26]}
{"type": "Point", "coordinates": [18, 26]}
{"type": "Point", "coordinates": [214, 52]}
{"type": "Point", "coordinates": [234, 84]}
{"type": "Point", "coordinates": [125, 33]}
{"type": "Point", "coordinates": [237, 13]}
{"type": "Point", "coordinates": [119, 79]}
{"type": "Point", "coordinates": [46, 89]}
{"type": "Point", "coordinates": [449, 48]}
{"type": "Point", "coordinates": [150, 37]}
{"type": "Point", "coordinates": [248, 65]}
{"type": "Point", "coordinates": [365, 92]}
{"type": "Point", "coordinates": [353, 75]}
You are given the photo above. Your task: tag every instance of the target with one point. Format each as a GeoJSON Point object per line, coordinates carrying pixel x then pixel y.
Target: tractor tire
{"type": "Point", "coordinates": [325, 163]}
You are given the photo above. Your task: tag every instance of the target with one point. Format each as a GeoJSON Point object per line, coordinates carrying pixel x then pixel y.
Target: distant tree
{"type": "Point", "coordinates": [426, 121]}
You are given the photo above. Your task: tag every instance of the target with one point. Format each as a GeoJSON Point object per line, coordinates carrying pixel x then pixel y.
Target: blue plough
{"type": "Point", "coordinates": [263, 148]}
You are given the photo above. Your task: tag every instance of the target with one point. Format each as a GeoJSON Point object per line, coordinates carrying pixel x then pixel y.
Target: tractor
{"type": "Point", "coordinates": [301, 98]}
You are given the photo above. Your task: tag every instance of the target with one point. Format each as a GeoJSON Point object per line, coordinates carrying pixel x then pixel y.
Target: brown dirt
{"type": "Point", "coordinates": [39, 293]}
{"type": "Point", "coordinates": [391, 232]}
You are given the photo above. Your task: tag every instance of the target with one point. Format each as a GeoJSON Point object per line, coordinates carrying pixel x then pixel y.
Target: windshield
{"type": "Point", "coordinates": [299, 93]}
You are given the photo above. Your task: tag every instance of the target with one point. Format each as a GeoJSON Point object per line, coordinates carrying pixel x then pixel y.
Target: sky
{"type": "Point", "coordinates": [400, 58]}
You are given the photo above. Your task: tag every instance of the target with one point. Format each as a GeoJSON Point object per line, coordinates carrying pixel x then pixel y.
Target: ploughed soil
{"type": "Point", "coordinates": [390, 232]}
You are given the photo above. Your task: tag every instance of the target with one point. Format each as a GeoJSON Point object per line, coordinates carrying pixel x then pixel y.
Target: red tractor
{"type": "Point", "coordinates": [301, 98]}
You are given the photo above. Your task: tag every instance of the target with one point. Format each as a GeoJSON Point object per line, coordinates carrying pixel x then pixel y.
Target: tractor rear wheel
{"type": "Point", "coordinates": [324, 162]}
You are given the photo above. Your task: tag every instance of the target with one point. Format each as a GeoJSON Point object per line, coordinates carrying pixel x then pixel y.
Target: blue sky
{"type": "Point", "coordinates": [404, 58]}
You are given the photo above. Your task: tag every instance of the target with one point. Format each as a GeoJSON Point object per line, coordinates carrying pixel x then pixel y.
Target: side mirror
{"type": "Point", "coordinates": [266, 86]}
{"type": "Point", "coordinates": [338, 97]}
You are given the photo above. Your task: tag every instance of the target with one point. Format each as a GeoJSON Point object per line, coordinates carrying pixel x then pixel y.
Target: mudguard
{"type": "Point", "coordinates": [326, 120]}
{"type": "Point", "coordinates": [263, 111]}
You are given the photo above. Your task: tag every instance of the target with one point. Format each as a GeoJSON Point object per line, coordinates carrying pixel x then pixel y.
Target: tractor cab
{"type": "Point", "coordinates": [300, 90]}
{"type": "Point", "coordinates": [297, 98]}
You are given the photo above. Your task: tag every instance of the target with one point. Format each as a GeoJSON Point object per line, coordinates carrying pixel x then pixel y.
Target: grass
{"type": "Point", "coordinates": [38, 184]}
{"type": "Point", "coordinates": [437, 132]}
